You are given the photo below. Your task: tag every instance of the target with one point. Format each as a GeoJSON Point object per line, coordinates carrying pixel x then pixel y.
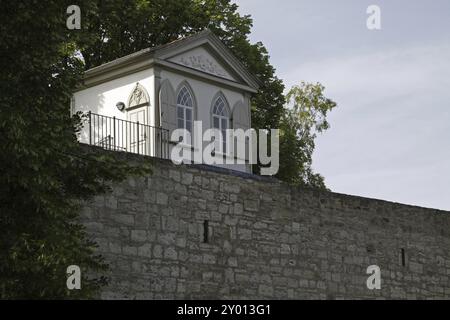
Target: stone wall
{"type": "Point", "coordinates": [264, 240]}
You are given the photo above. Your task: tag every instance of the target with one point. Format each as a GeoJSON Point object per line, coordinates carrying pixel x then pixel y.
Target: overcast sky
{"type": "Point", "coordinates": [390, 134]}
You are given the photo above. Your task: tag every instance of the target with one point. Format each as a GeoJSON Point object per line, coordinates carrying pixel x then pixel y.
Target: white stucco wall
{"type": "Point", "coordinates": [102, 99]}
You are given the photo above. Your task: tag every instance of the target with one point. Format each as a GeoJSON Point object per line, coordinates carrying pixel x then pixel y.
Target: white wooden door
{"type": "Point", "coordinates": [138, 135]}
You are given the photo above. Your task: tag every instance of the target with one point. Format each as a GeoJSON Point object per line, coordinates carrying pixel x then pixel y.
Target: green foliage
{"type": "Point", "coordinates": [113, 29]}
{"type": "Point", "coordinates": [117, 28]}
{"type": "Point", "coordinates": [44, 172]}
{"type": "Point", "coordinates": [304, 117]}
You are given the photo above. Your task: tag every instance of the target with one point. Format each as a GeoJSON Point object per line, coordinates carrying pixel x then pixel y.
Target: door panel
{"type": "Point", "coordinates": [138, 139]}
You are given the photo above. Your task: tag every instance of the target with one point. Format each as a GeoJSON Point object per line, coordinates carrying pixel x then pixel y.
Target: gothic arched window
{"type": "Point", "coordinates": [221, 119]}
{"type": "Point", "coordinates": [185, 105]}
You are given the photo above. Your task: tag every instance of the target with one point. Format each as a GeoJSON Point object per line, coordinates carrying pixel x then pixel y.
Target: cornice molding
{"type": "Point", "coordinates": [146, 59]}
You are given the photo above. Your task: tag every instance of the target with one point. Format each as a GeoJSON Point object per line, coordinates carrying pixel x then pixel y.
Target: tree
{"type": "Point", "coordinates": [44, 172]}
{"type": "Point", "coordinates": [114, 29]}
{"type": "Point", "coordinates": [304, 117]}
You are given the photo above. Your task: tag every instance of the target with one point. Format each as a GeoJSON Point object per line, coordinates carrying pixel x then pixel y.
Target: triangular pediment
{"type": "Point", "coordinates": [201, 54]}
{"type": "Point", "coordinates": [205, 53]}
{"type": "Point", "coordinates": [201, 59]}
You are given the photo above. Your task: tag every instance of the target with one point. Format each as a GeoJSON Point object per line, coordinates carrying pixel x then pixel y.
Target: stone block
{"type": "Point", "coordinates": [145, 250]}
{"type": "Point", "coordinates": [161, 198]}
{"type": "Point", "coordinates": [138, 235]}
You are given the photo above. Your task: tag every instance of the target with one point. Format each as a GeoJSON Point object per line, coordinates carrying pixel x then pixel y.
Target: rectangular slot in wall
{"type": "Point", "coordinates": [206, 231]}
{"type": "Point", "coordinates": [403, 257]}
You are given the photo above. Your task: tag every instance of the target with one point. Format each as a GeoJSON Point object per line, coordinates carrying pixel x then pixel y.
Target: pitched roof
{"type": "Point", "coordinates": [147, 57]}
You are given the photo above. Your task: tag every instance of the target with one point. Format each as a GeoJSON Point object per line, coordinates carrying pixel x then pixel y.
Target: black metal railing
{"type": "Point", "coordinates": [121, 135]}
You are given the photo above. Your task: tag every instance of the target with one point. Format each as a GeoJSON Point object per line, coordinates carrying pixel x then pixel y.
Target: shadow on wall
{"type": "Point", "coordinates": [94, 108]}
{"type": "Point", "coordinates": [102, 99]}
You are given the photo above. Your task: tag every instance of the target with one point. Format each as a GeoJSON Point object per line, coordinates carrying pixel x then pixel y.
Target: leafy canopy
{"type": "Point", "coordinates": [113, 29]}
{"type": "Point", "coordinates": [303, 117]}
{"type": "Point", "coordinates": [45, 174]}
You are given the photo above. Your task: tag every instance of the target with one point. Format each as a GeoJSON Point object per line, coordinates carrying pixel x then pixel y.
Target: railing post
{"type": "Point", "coordinates": [161, 141]}
{"type": "Point", "coordinates": [137, 134]}
{"type": "Point", "coordinates": [155, 140]}
{"type": "Point", "coordinates": [168, 144]}
{"type": "Point", "coordinates": [159, 144]}
{"type": "Point", "coordinates": [90, 129]}
{"type": "Point", "coordinates": [114, 132]}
